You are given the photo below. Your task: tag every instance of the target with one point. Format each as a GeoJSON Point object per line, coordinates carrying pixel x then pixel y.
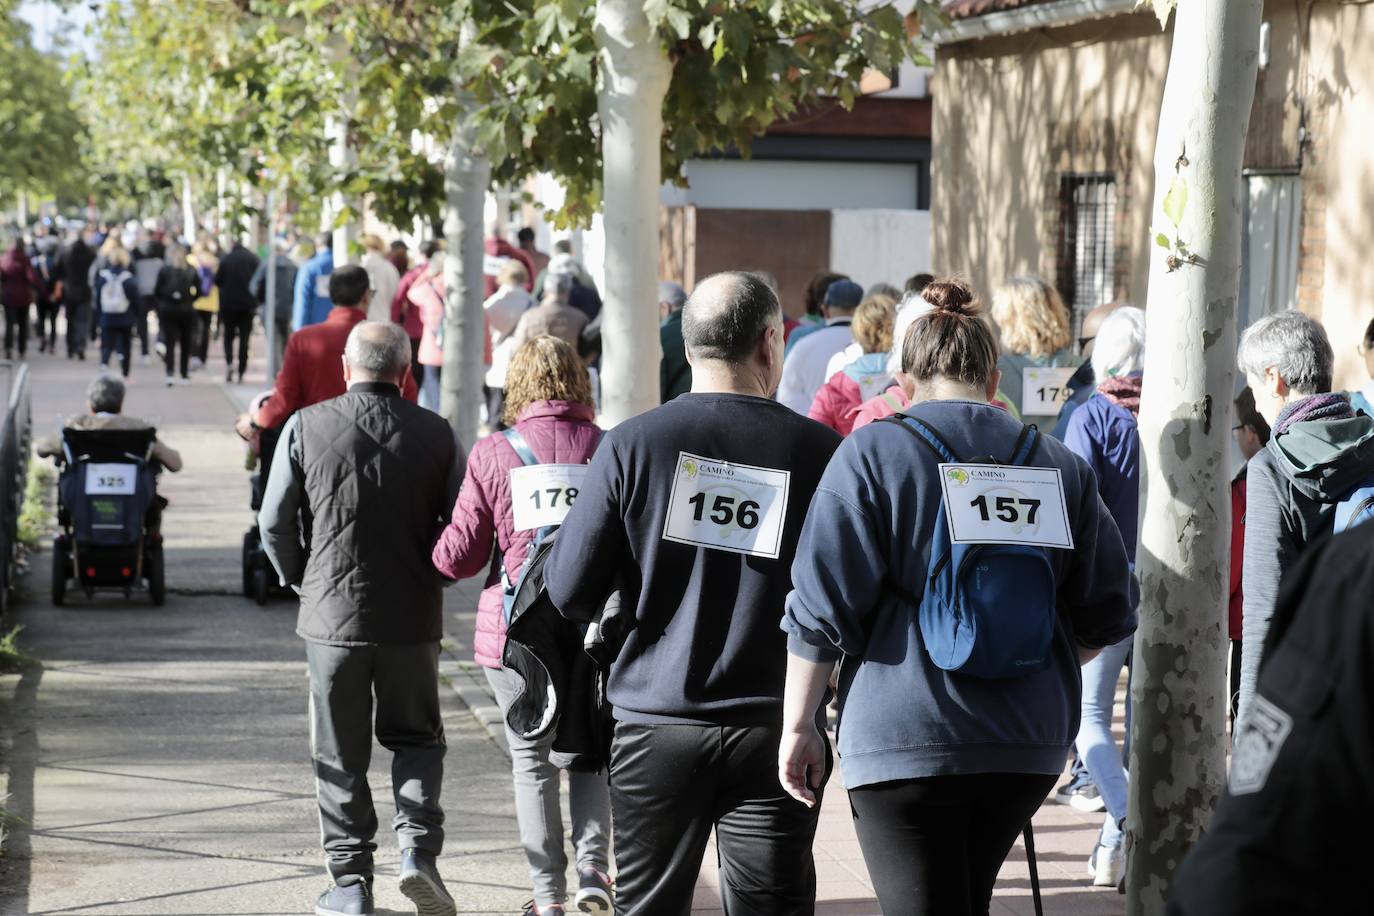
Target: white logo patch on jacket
{"type": "Point", "coordinates": [1262, 734]}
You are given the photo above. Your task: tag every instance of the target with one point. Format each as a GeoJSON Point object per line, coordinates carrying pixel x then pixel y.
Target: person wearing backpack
{"type": "Point", "coordinates": [176, 289]}
{"type": "Point", "coordinates": [950, 736]}
{"type": "Point", "coordinates": [1103, 431]}
{"type": "Point", "coordinates": [116, 296]}
{"type": "Point", "coordinates": [1318, 465]}
{"type": "Point", "coordinates": [549, 406]}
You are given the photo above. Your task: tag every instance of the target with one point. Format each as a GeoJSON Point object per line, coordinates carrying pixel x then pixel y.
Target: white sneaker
{"type": "Point", "coordinates": [1104, 866]}
{"type": "Point", "coordinates": [170, 381]}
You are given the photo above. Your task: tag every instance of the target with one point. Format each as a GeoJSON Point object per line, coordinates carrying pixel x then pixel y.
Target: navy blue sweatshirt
{"type": "Point", "coordinates": [706, 648]}
{"type": "Point", "coordinates": [871, 522]}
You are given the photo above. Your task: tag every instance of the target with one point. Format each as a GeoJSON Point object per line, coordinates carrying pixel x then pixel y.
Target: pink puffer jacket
{"type": "Point", "coordinates": [558, 432]}
{"type": "Point", "coordinates": [840, 398]}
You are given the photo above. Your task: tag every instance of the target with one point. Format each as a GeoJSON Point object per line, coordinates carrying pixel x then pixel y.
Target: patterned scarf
{"type": "Point", "coordinates": [1123, 391]}
{"type": "Point", "coordinates": [1330, 406]}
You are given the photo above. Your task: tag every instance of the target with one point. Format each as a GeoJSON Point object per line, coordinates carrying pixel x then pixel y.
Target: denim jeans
{"type": "Point", "coordinates": [1095, 743]}
{"type": "Point", "coordinates": [537, 806]}
{"type": "Point", "coordinates": [429, 389]}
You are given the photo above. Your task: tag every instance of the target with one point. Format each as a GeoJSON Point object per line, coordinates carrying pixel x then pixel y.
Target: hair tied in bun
{"type": "Point", "coordinates": [953, 296]}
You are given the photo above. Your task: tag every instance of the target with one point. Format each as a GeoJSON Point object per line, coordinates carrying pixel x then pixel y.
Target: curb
{"type": "Point", "coordinates": [465, 679]}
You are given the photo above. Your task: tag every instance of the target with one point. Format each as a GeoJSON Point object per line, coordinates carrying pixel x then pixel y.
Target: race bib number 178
{"type": "Point", "coordinates": [541, 495]}
{"type": "Point", "coordinates": [734, 507]}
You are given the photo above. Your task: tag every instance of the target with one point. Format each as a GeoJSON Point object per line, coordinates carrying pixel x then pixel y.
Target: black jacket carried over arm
{"type": "Point", "coordinates": [1301, 788]}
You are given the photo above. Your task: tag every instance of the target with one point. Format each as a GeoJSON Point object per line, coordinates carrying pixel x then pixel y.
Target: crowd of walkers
{"type": "Point", "coordinates": [899, 503]}
{"type": "Point", "coordinates": [903, 505]}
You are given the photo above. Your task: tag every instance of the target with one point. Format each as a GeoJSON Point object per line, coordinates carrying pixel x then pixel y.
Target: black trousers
{"type": "Point", "coordinates": [933, 846]}
{"type": "Point", "coordinates": [141, 309]}
{"type": "Point", "coordinates": [236, 325]}
{"type": "Point", "coordinates": [204, 322]}
{"type": "Point", "coordinates": [670, 784]}
{"type": "Point", "coordinates": [405, 680]}
{"type": "Point", "coordinates": [178, 339]}
{"type": "Point", "coordinates": [496, 404]}
{"type": "Point", "coordinates": [47, 324]}
{"type": "Point", "coordinates": [78, 321]}
{"type": "Point", "coordinates": [117, 340]}
{"type": "Point", "coordinates": [16, 319]}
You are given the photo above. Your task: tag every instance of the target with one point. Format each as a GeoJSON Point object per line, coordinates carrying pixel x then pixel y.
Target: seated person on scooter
{"type": "Point", "coordinates": [106, 398]}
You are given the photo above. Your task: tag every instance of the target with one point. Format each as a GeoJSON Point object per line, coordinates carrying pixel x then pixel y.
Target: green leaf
{"type": "Point", "coordinates": [1162, 241]}
{"type": "Point", "coordinates": [1176, 200]}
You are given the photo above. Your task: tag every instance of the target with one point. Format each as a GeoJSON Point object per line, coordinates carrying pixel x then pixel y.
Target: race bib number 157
{"type": "Point", "coordinates": [1005, 504]}
{"type": "Point", "coordinates": [734, 507]}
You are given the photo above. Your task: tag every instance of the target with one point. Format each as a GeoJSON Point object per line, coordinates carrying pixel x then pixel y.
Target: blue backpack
{"type": "Point", "coordinates": [986, 610]}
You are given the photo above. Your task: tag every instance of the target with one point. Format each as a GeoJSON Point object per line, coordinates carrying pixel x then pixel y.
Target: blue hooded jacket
{"type": "Point", "coordinates": [311, 304]}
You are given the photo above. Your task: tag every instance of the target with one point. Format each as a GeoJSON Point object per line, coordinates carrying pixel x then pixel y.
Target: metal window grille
{"type": "Point", "coordinates": [1087, 242]}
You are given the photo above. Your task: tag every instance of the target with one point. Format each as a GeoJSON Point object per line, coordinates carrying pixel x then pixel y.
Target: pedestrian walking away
{"type": "Point", "coordinates": [1103, 432]}
{"type": "Point", "coordinates": [116, 295]}
{"type": "Point", "coordinates": [952, 728]}
{"type": "Point", "coordinates": [1320, 450]}
{"type": "Point", "coordinates": [72, 272]}
{"type": "Point", "coordinates": [377, 476]}
{"type": "Point", "coordinates": [549, 409]}
{"type": "Point", "coordinates": [311, 302]}
{"type": "Point", "coordinates": [1037, 362]}
{"type": "Point", "coordinates": [175, 291]}
{"type": "Point", "coordinates": [237, 306]}
{"type": "Point", "coordinates": [703, 514]}
{"type": "Point", "coordinates": [809, 354]}
{"type": "Point", "coordinates": [19, 285]}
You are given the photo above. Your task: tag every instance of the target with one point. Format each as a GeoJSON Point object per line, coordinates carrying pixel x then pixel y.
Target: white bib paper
{"type": "Point", "coordinates": [1044, 391]}
{"type": "Point", "coordinates": [542, 494]}
{"type": "Point", "coordinates": [491, 265]}
{"type": "Point", "coordinates": [734, 507]}
{"type": "Point", "coordinates": [997, 504]}
{"type": "Point", "coordinates": [111, 479]}
{"type": "Point", "coordinates": [322, 286]}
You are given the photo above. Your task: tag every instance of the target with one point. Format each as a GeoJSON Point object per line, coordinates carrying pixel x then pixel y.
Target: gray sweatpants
{"type": "Point", "coordinates": [537, 808]}
{"type": "Point", "coordinates": [405, 680]}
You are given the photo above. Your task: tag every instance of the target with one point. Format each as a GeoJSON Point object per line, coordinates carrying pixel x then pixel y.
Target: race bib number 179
{"type": "Point", "coordinates": [734, 507]}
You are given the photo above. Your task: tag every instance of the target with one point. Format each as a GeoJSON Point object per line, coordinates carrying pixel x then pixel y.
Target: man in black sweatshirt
{"type": "Point", "coordinates": [698, 505]}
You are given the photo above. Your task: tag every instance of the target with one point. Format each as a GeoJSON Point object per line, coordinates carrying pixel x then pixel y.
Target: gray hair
{"type": "Point", "coordinates": [1294, 346]}
{"type": "Point", "coordinates": [106, 394]}
{"type": "Point", "coordinates": [1119, 347]}
{"type": "Point", "coordinates": [671, 294]}
{"type": "Point", "coordinates": [884, 289]}
{"type": "Point", "coordinates": [558, 287]}
{"type": "Point", "coordinates": [379, 350]}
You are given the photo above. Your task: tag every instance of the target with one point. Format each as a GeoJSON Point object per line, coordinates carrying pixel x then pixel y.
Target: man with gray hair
{"type": "Point", "coordinates": [105, 397]}
{"type": "Point", "coordinates": [674, 372]}
{"type": "Point", "coordinates": [376, 476]}
{"type": "Point", "coordinates": [1319, 451]}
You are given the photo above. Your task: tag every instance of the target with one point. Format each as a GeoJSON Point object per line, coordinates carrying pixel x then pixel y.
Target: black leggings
{"type": "Point", "coordinates": [240, 325]}
{"type": "Point", "coordinates": [204, 321]}
{"type": "Point", "coordinates": [16, 319]}
{"type": "Point", "coordinates": [933, 846]}
{"type": "Point", "coordinates": [47, 324]}
{"type": "Point", "coordinates": [178, 339]}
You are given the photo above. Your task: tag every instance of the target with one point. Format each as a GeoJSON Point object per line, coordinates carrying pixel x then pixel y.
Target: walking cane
{"type": "Point", "coordinates": [1029, 835]}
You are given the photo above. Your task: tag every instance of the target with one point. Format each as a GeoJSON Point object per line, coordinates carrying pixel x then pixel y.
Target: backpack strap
{"type": "Point", "coordinates": [1026, 445]}
{"type": "Point", "coordinates": [925, 433]}
{"type": "Point", "coordinates": [521, 447]}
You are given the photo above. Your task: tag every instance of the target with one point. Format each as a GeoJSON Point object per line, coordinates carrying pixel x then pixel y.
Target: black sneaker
{"type": "Point", "coordinates": [421, 883]}
{"type": "Point", "coordinates": [594, 893]}
{"type": "Point", "coordinates": [346, 900]}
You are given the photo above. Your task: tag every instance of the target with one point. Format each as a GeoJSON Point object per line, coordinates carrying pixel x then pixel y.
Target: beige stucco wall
{"type": "Point", "coordinates": [1013, 113]}
{"type": "Point", "coordinates": [1340, 80]}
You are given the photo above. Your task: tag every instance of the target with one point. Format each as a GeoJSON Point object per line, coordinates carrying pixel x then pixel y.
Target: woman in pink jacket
{"type": "Point", "coordinates": [549, 407]}
{"type": "Point", "coordinates": [840, 397]}
{"type": "Point", "coordinates": [427, 295]}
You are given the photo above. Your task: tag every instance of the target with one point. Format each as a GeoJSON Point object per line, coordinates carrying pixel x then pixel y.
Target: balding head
{"type": "Point", "coordinates": [377, 351]}
{"type": "Point", "coordinates": [726, 315]}
{"type": "Point", "coordinates": [1092, 323]}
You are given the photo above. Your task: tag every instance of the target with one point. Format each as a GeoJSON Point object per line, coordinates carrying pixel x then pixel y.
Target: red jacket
{"type": "Point", "coordinates": [312, 369]}
{"type": "Point", "coordinates": [838, 401]}
{"type": "Point", "coordinates": [1237, 553]}
{"type": "Point", "coordinates": [558, 433]}
{"type": "Point", "coordinates": [402, 312]}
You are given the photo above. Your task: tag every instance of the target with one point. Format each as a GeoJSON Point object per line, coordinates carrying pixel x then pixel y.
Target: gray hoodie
{"type": "Point", "coordinates": [1294, 484]}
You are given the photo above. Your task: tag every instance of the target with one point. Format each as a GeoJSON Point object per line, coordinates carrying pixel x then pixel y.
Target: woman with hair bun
{"type": "Point", "coordinates": [949, 739]}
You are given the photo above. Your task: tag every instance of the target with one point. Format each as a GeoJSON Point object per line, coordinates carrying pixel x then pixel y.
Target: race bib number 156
{"type": "Point", "coordinates": [734, 507]}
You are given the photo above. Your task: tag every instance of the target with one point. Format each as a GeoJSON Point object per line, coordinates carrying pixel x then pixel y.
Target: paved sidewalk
{"type": "Point", "coordinates": [1064, 838]}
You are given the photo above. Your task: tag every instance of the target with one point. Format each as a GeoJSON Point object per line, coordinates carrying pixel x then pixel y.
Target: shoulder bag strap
{"type": "Point", "coordinates": [1026, 445]}
{"type": "Point", "coordinates": [521, 447]}
{"type": "Point", "coordinates": [926, 434]}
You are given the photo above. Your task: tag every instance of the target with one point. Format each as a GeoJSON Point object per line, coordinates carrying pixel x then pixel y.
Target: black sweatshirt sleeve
{"type": "Point", "coordinates": [591, 544]}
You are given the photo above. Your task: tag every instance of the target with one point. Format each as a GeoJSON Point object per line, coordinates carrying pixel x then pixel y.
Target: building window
{"type": "Point", "coordinates": [1087, 243]}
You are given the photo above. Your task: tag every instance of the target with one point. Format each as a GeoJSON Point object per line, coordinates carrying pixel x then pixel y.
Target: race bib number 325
{"type": "Point", "coordinates": [734, 507]}
{"type": "Point", "coordinates": [1005, 504]}
{"type": "Point", "coordinates": [111, 479]}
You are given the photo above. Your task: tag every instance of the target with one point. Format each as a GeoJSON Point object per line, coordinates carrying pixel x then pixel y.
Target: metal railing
{"type": "Point", "coordinates": [16, 436]}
